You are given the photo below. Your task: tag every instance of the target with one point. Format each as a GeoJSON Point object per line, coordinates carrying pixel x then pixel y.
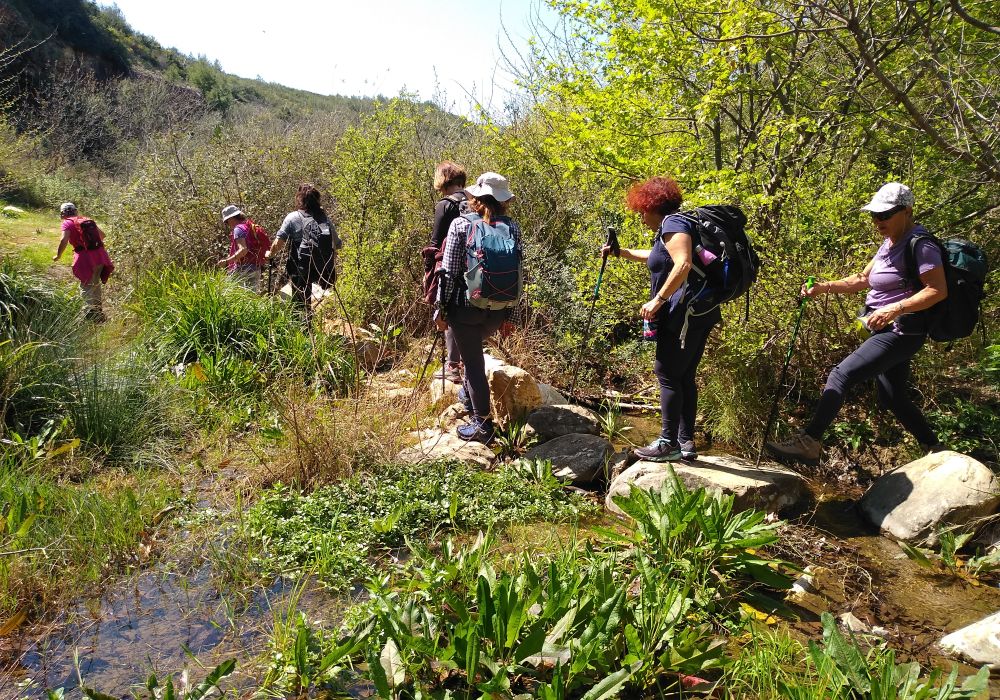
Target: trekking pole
{"type": "Point", "coordinates": [423, 370]}
{"type": "Point", "coordinates": [612, 241]}
{"type": "Point", "coordinates": [810, 281]}
{"type": "Point", "coordinates": [270, 276]}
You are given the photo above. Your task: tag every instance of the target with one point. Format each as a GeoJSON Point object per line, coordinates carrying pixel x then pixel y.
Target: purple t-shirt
{"type": "Point", "coordinates": [888, 278]}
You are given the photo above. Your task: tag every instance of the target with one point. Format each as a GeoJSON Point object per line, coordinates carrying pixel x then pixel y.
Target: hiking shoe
{"type": "Point", "coordinates": [688, 451]}
{"type": "Point", "coordinates": [463, 396]}
{"type": "Point", "coordinates": [798, 448]}
{"type": "Point", "coordinates": [478, 430]}
{"type": "Point", "coordinates": [659, 450]}
{"type": "Point", "coordinates": [452, 373]}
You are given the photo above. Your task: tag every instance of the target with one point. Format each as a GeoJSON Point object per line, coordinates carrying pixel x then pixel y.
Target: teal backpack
{"type": "Point", "coordinates": [493, 264]}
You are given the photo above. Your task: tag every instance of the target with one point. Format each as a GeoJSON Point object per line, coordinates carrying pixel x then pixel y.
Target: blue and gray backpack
{"type": "Point", "coordinates": [493, 264]}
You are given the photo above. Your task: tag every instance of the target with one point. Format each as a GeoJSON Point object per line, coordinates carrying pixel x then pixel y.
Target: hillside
{"type": "Point", "coordinates": [76, 34]}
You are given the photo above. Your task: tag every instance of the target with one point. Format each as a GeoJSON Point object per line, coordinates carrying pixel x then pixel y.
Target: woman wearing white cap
{"type": "Point", "coordinates": [472, 312]}
{"type": "Point", "coordinates": [897, 330]}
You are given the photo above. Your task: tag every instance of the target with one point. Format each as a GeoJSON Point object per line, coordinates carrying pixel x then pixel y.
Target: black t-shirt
{"type": "Point", "coordinates": [447, 210]}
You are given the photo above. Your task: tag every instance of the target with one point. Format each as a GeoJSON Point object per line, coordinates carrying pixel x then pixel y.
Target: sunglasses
{"type": "Point", "coordinates": [886, 215]}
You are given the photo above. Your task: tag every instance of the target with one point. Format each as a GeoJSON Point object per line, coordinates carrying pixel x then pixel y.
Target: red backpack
{"type": "Point", "coordinates": [90, 236]}
{"type": "Point", "coordinates": [258, 242]}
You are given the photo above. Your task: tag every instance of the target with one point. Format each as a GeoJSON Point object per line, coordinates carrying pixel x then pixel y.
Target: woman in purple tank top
{"type": "Point", "coordinates": [898, 331]}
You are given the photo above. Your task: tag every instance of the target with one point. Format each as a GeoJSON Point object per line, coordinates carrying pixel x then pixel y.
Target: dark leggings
{"type": "Point", "coordinates": [471, 327]}
{"type": "Point", "coordinates": [885, 357]}
{"type": "Point", "coordinates": [675, 368]}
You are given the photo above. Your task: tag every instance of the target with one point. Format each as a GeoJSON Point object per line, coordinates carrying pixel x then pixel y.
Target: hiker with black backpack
{"type": "Point", "coordinates": [480, 287]}
{"type": "Point", "coordinates": [248, 245]}
{"type": "Point", "coordinates": [680, 314]}
{"type": "Point", "coordinates": [312, 244]}
{"type": "Point", "coordinates": [91, 263]}
{"type": "Point", "coordinates": [449, 182]}
{"type": "Point", "coordinates": [892, 315]}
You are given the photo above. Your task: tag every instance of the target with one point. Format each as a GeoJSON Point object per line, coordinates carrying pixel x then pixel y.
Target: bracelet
{"type": "Point", "coordinates": [899, 307]}
{"type": "Point", "coordinates": [662, 300]}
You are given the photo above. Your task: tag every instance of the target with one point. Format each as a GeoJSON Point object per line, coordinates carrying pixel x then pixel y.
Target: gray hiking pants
{"type": "Point", "coordinates": [471, 327]}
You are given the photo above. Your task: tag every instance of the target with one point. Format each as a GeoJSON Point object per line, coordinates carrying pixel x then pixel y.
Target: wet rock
{"type": "Point", "coordinates": [548, 422]}
{"type": "Point", "coordinates": [978, 643]}
{"type": "Point", "coordinates": [514, 393]}
{"type": "Point", "coordinates": [550, 395]}
{"type": "Point", "coordinates": [943, 488]}
{"type": "Point", "coordinates": [768, 487]}
{"type": "Point", "coordinates": [436, 444]}
{"type": "Point", "coordinates": [577, 457]}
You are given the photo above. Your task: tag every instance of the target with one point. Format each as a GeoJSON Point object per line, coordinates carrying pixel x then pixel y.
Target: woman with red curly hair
{"type": "Point", "coordinates": [680, 336]}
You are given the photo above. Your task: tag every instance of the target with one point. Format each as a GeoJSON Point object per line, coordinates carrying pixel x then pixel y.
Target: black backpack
{"type": "Point", "coordinates": [965, 270]}
{"type": "Point", "coordinates": [723, 254]}
{"type": "Point", "coordinates": [316, 258]}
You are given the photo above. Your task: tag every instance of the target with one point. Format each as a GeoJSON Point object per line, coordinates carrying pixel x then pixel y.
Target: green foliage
{"type": "Point", "coordinates": [238, 341]}
{"type": "Point", "coordinates": [62, 536]}
{"type": "Point", "coordinates": [335, 531]}
{"type": "Point", "coordinates": [613, 424]}
{"type": "Point", "coordinates": [845, 673]}
{"type": "Point", "coordinates": [513, 439]}
{"type": "Point", "coordinates": [40, 327]}
{"type": "Point", "coordinates": [947, 560]}
{"type": "Point", "coordinates": [968, 427]}
{"type": "Point", "coordinates": [166, 689]}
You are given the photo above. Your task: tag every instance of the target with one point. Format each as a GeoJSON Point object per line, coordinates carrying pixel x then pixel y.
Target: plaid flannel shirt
{"type": "Point", "coordinates": [451, 290]}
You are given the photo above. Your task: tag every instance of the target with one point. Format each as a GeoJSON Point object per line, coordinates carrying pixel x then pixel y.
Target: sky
{"type": "Point", "coordinates": [366, 48]}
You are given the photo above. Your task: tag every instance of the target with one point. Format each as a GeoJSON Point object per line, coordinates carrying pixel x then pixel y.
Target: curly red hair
{"type": "Point", "coordinates": [661, 195]}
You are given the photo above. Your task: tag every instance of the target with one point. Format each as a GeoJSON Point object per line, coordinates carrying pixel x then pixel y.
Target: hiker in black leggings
{"type": "Point", "coordinates": [897, 331]}
{"type": "Point", "coordinates": [680, 336]}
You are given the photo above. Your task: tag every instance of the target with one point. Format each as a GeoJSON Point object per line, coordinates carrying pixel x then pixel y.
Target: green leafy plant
{"type": "Point", "coordinates": [165, 689]}
{"type": "Point", "coordinates": [947, 559]}
{"type": "Point", "coordinates": [612, 422]}
{"type": "Point", "coordinates": [845, 673]}
{"type": "Point", "coordinates": [854, 434]}
{"type": "Point", "coordinates": [513, 439]}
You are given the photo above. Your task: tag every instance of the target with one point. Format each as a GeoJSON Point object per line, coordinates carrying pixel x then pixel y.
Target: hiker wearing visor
{"type": "Point", "coordinates": [890, 315]}
{"type": "Point", "coordinates": [479, 290]}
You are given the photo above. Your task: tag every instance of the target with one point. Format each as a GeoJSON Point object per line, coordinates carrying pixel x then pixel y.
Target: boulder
{"type": "Point", "coordinates": [619, 462]}
{"type": "Point", "coordinates": [944, 488]}
{"type": "Point", "coordinates": [768, 487]}
{"type": "Point", "coordinates": [978, 643]}
{"type": "Point", "coordinates": [12, 212]}
{"type": "Point", "coordinates": [548, 422]}
{"type": "Point", "coordinates": [578, 458]}
{"type": "Point", "coordinates": [444, 391]}
{"type": "Point", "coordinates": [513, 392]}
{"type": "Point", "coordinates": [550, 395]}
{"type": "Point", "coordinates": [436, 444]}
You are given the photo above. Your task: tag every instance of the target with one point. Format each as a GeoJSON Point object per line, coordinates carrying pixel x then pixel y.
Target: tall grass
{"type": "Point", "coordinates": [40, 326]}
{"type": "Point", "coordinates": [193, 316]}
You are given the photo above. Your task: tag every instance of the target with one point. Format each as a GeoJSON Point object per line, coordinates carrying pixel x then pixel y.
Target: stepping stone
{"type": "Point", "coordinates": [944, 488]}
{"type": "Point", "coordinates": [576, 457]}
{"type": "Point", "coordinates": [550, 395]}
{"type": "Point", "coordinates": [435, 445]}
{"type": "Point", "coordinates": [548, 422]}
{"type": "Point", "coordinates": [768, 487]}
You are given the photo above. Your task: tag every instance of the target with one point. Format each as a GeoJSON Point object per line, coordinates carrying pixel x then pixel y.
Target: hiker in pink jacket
{"type": "Point", "coordinates": [91, 263]}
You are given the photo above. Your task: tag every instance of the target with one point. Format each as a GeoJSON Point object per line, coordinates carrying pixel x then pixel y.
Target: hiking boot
{"type": "Point", "coordinates": [688, 451]}
{"type": "Point", "coordinates": [659, 450]}
{"type": "Point", "coordinates": [451, 372]}
{"type": "Point", "coordinates": [477, 429]}
{"type": "Point", "coordinates": [798, 448]}
{"type": "Point", "coordinates": [463, 396]}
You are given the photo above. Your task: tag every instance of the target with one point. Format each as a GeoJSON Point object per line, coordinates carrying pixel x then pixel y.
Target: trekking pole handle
{"type": "Point", "coordinates": [613, 241]}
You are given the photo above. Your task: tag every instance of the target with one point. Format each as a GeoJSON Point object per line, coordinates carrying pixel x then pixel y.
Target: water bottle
{"type": "Point", "coordinates": [707, 257]}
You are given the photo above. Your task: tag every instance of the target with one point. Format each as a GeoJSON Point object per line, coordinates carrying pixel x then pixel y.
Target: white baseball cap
{"type": "Point", "coordinates": [890, 196]}
{"type": "Point", "coordinates": [492, 184]}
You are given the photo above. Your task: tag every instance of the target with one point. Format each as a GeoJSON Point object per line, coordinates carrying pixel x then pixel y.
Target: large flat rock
{"type": "Point", "coordinates": [944, 488]}
{"type": "Point", "coordinates": [435, 445]}
{"type": "Point", "coordinates": [768, 487]}
{"type": "Point", "coordinates": [548, 422]}
{"type": "Point", "coordinates": [978, 643]}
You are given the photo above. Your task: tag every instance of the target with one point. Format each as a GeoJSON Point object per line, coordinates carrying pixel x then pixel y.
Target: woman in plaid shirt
{"type": "Point", "coordinates": [490, 197]}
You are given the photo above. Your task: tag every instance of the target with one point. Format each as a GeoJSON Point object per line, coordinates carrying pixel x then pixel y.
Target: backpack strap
{"type": "Point", "coordinates": [912, 272]}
